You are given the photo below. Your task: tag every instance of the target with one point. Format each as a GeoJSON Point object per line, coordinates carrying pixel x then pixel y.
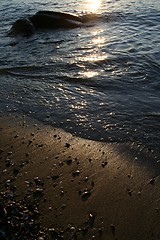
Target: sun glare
{"type": "Point", "coordinates": [93, 5]}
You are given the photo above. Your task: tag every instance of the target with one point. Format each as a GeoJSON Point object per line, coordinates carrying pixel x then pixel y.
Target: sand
{"type": "Point", "coordinates": [83, 189]}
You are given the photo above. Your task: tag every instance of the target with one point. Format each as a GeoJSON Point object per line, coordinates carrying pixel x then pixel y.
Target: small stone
{"type": "Point", "coordinates": [9, 153]}
{"type": "Point", "coordinates": [67, 145]}
{"type": "Point", "coordinates": [7, 183]}
{"type": "Point", "coordinates": [86, 195]}
{"type": "Point", "coordinates": [92, 184]}
{"type": "Point", "coordinates": [86, 179]}
{"type": "Point", "coordinates": [3, 213]}
{"type": "Point", "coordinates": [16, 170]}
{"type": "Point", "coordinates": [69, 161]}
{"type": "Point", "coordinates": [16, 136]}
{"type": "Point", "coordinates": [38, 192]}
{"type": "Point", "coordinates": [76, 173]}
{"type": "Point", "coordinates": [129, 192]}
{"type": "Point", "coordinates": [2, 234]}
{"type": "Point", "coordinates": [104, 163]}
{"type": "Point", "coordinates": [62, 193]}
{"type": "Point", "coordinates": [90, 220]}
{"type": "Point", "coordinates": [55, 177]}
{"type": "Point", "coordinates": [100, 231]}
{"type": "Point", "coordinates": [54, 233]}
{"type": "Point", "coordinates": [8, 162]}
{"type": "Point", "coordinates": [152, 181]}
{"type": "Point", "coordinates": [64, 206]}
{"type": "Point", "coordinates": [113, 229]}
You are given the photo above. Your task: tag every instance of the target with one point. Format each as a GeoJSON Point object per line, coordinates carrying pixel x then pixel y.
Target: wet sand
{"type": "Point", "coordinates": [79, 189]}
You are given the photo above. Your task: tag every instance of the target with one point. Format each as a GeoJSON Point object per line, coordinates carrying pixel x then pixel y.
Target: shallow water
{"type": "Point", "coordinates": [101, 81]}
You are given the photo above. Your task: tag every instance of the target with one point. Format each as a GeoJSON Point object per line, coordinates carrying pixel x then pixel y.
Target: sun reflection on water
{"type": "Point", "coordinates": [93, 5]}
{"type": "Point", "coordinates": [94, 55]}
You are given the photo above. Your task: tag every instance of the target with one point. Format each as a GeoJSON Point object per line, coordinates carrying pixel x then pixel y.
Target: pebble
{"type": "Point", "coordinates": [76, 173]}
{"type": "Point", "coordinates": [152, 181]}
{"type": "Point", "coordinates": [17, 217]}
{"type": "Point", "coordinates": [86, 195]}
{"type": "Point", "coordinates": [69, 161]}
{"type": "Point", "coordinates": [104, 163]}
{"type": "Point", "coordinates": [38, 192]}
{"type": "Point", "coordinates": [113, 229]}
{"type": "Point", "coordinates": [67, 145]}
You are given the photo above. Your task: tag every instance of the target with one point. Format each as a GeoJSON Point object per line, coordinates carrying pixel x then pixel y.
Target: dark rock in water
{"type": "Point", "coordinates": [86, 195]}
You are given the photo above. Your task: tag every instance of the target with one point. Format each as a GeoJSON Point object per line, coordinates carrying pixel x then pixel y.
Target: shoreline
{"type": "Point", "coordinates": [82, 189]}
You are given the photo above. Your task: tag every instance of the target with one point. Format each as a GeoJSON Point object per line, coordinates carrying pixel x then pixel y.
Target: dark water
{"type": "Point", "coordinates": [100, 82]}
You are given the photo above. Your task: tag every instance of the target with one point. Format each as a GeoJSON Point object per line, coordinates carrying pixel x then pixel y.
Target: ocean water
{"type": "Point", "coordinates": [100, 81]}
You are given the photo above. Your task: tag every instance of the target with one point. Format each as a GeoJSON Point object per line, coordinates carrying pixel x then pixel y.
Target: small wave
{"type": "Point", "coordinates": [21, 71]}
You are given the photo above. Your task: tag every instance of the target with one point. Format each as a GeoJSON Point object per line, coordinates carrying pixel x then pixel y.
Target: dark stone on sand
{"type": "Point", "coordinates": [104, 163]}
{"type": "Point", "coordinates": [86, 195]}
{"type": "Point", "coordinates": [67, 145]}
{"type": "Point", "coordinates": [76, 173]}
{"type": "Point", "coordinates": [152, 181]}
{"type": "Point", "coordinates": [38, 192]}
{"type": "Point", "coordinates": [54, 233]}
{"type": "Point", "coordinates": [90, 221]}
{"type": "Point", "coordinates": [55, 177]}
{"type": "Point", "coordinates": [69, 161]}
{"type": "Point", "coordinates": [113, 229]}
{"type": "Point", "coordinates": [3, 213]}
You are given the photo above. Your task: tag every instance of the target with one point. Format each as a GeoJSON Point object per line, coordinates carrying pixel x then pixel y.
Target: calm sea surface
{"type": "Point", "coordinates": [101, 81]}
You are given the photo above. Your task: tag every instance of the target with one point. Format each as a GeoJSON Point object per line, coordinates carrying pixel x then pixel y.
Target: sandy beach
{"type": "Point", "coordinates": [78, 188]}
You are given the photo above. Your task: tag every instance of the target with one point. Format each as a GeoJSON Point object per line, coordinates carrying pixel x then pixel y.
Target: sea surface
{"type": "Point", "coordinates": [100, 81]}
